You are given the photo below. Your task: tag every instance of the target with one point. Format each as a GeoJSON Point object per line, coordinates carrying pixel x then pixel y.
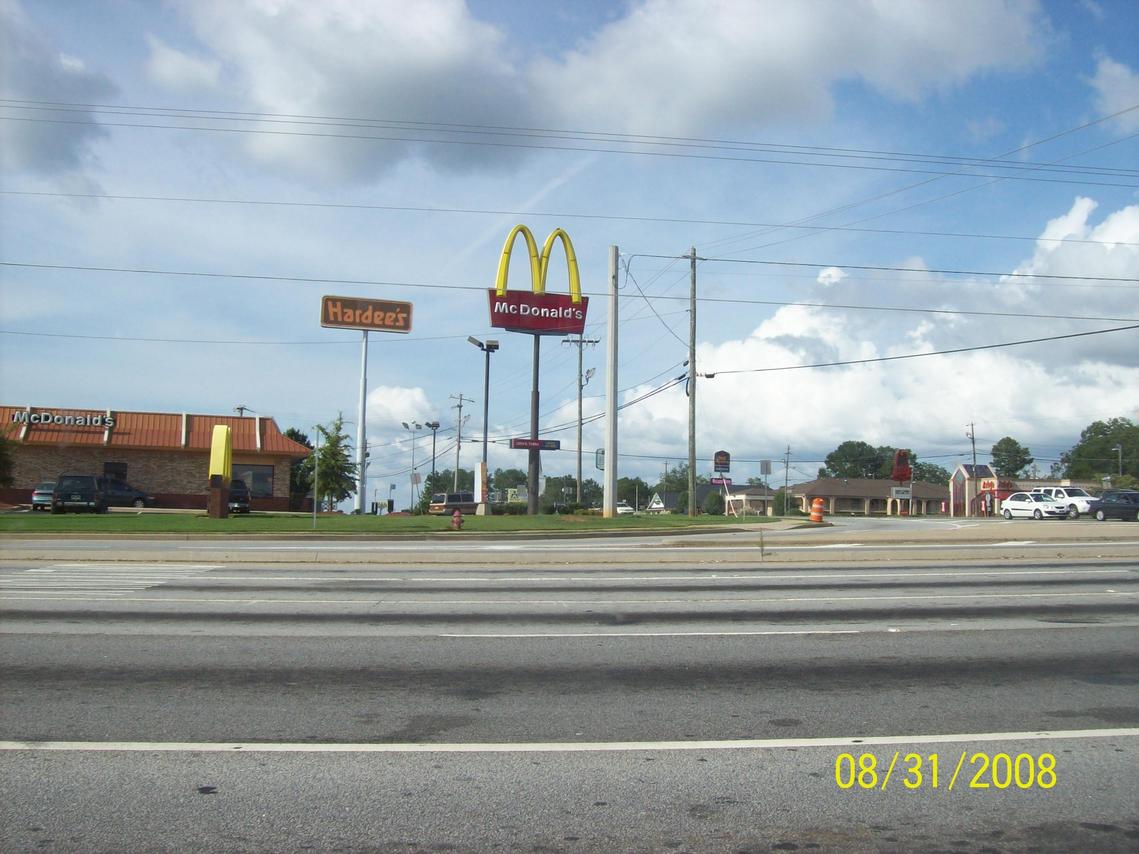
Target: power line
{"type": "Point", "coordinates": [561, 215]}
{"type": "Point", "coordinates": [584, 149]}
{"type": "Point", "coordinates": [553, 133]}
{"type": "Point", "coordinates": [880, 268]}
{"type": "Point", "coordinates": [711, 374]}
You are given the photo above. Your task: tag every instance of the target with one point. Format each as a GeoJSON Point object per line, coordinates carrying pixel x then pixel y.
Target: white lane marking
{"type": "Point", "coordinates": [655, 634]}
{"type": "Point", "coordinates": [111, 579]}
{"type": "Point", "coordinates": [236, 600]}
{"type": "Point", "coordinates": [562, 747]}
{"type": "Point", "coordinates": [283, 577]}
{"type": "Point", "coordinates": [645, 549]}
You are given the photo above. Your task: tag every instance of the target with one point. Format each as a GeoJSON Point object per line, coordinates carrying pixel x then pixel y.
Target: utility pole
{"type": "Point", "coordinates": [692, 388]}
{"type": "Point", "coordinates": [580, 343]}
{"type": "Point", "coordinates": [972, 437]}
{"type": "Point", "coordinates": [459, 435]}
{"type": "Point", "coordinates": [609, 491]}
{"type": "Point", "coordinates": [786, 479]}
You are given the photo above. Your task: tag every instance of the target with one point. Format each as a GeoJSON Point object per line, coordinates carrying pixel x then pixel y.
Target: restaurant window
{"type": "Point", "coordinates": [259, 479]}
{"type": "Point", "coordinates": [115, 471]}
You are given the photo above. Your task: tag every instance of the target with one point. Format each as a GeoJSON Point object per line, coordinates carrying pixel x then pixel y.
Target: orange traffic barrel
{"type": "Point", "coordinates": [817, 510]}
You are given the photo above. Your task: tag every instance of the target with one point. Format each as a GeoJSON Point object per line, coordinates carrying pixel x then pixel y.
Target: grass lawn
{"type": "Point", "coordinates": [134, 522]}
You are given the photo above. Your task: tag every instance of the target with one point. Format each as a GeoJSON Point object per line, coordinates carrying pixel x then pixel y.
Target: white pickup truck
{"type": "Point", "coordinates": [1078, 500]}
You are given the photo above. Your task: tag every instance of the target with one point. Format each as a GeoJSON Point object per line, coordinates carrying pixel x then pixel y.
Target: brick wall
{"type": "Point", "coordinates": [175, 478]}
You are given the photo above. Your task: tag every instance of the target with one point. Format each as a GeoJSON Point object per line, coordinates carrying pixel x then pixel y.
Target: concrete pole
{"type": "Point", "coordinates": [692, 389]}
{"type": "Point", "coordinates": [361, 431]}
{"type": "Point", "coordinates": [609, 503]}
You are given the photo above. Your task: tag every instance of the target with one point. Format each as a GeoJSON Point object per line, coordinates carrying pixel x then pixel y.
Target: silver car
{"type": "Point", "coordinates": [1034, 505]}
{"type": "Point", "coordinates": [41, 495]}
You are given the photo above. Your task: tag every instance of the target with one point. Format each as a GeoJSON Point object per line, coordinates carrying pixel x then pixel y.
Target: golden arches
{"type": "Point", "coordinates": [539, 265]}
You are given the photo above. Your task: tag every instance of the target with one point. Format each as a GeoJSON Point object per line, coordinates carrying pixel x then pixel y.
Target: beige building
{"type": "Point", "coordinates": [164, 454]}
{"type": "Point", "coordinates": [857, 496]}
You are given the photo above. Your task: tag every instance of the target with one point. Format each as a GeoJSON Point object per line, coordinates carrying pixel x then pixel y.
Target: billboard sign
{"type": "Point", "coordinates": [721, 461]}
{"type": "Point", "coordinates": [537, 312]}
{"type": "Point", "coordinates": [370, 315]}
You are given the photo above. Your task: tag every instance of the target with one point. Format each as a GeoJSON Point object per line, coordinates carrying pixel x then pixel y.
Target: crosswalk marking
{"type": "Point", "coordinates": [106, 579]}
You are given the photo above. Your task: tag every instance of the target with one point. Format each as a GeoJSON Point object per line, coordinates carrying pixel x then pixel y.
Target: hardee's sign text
{"type": "Point", "coordinates": [367, 314]}
{"type": "Point", "coordinates": [537, 312]}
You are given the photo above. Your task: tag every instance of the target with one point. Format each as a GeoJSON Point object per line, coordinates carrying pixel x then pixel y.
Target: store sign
{"type": "Point", "coordinates": [721, 481]}
{"type": "Point", "coordinates": [721, 461]}
{"type": "Point", "coordinates": [59, 419]}
{"type": "Point", "coordinates": [537, 312]}
{"type": "Point", "coordinates": [902, 493]}
{"type": "Point", "coordinates": [367, 314]}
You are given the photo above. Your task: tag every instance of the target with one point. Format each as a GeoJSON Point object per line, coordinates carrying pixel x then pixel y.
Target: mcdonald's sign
{"type": "Point", "coordinates": [537, 312]}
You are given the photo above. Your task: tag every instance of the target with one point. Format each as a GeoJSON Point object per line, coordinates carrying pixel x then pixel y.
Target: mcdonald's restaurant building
{"type": "Point", "coordinates": [164, 454]}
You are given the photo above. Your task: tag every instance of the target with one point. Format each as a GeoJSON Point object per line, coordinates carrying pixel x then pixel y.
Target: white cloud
{"type": "Point", "coordinates": [831, 276]}
{"type": "Point", "coordinates": [668, 66]}
{"type": "Point", "coordinates": [345, 59]}
{"type": "Point", "coordinates": [390, 406]}
{"type": "Point", "coordinates": [676, 66]}
{"type": "Point", "coordinates": [1116, 88]}
{"type": "Point", "coordinates": [180, 72]}
{"type": "Point", "coordinates": [1042, 393]}
{"type": "Point", "coordinates": [34, 69]}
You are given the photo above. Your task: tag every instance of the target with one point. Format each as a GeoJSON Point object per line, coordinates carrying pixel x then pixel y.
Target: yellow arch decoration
{"type": "Point", "coordinates": [539, 265]}
{"type": "Point", "coordinates": [221, 452]}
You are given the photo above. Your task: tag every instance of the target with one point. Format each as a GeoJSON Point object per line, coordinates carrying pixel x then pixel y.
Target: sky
{"type": "Point", "coordinates": [863, 182]}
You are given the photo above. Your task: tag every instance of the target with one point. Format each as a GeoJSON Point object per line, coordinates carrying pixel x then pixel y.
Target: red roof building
{"type": "Point", "coordinates": [165, 454]}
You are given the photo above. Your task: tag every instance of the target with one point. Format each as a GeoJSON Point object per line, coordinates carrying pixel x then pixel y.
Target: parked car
{"type": "Point", "coordinates": [78, 492]}
{"type": "Point", "coordinates": [41, 495]}
{"type": "Point", "coordinates": [624, 509]}
{"type": "Point", "coordinates": [238, 496]}
{"type": "Point", "coordinates": [1034, 505]}
{"type": "Point", "coordinates": [1117, 504]}
{"type": "Point", "coordinates": [1078, 500]}
{"type": "Point", "coordinates": [121, 494]}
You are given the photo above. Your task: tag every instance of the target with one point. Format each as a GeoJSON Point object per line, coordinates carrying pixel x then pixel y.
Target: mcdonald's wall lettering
{"type": "Point", "coordinates": [537, 312]}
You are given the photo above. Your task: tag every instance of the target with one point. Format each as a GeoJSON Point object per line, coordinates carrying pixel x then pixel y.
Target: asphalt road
{"type": "Point", "coordinates": [600, 702]}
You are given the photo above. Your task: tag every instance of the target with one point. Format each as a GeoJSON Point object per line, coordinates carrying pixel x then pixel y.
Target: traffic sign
{"type": "Point", "coordinates": [536, 444]}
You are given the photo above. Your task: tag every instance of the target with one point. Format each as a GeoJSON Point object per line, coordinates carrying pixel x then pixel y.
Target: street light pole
{"type": "Point", "coordinates": [487, 347]}
{"type": "Point", "coordinates": [412, 427]}
{"type": "Point", "coordinates": [434, 427]}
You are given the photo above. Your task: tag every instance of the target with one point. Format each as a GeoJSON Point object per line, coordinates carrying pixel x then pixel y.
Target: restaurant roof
{"type": "Point", "coordinates": [156, 431]}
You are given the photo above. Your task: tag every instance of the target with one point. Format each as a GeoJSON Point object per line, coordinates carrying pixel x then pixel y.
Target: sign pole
{"type": "Point", "coordinates": [535, 455]}
{"type": "Point", "coordinates": [609, 505]}
{"type": "Point", "coordinates": [361, 429]}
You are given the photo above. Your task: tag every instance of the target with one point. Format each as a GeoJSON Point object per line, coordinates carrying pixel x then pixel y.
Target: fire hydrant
{"type": "Point", "coordinates": [457, 520]}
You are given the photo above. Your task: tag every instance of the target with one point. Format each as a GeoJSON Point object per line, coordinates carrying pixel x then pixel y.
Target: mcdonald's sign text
{"type": "Point", "coordinates": [538, 314]}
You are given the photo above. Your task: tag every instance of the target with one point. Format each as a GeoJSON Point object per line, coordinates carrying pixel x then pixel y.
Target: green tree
{"type": "Point", "coordinates": [508, 479]}
{"type": "Point", "coordinates": [335, 472]}
{"type": "Point", "coordinates": [676, 480]}
{"type": "Point", "coordinates": [300, 475]}
{"type": "Point", "coordinates": [6, 462]}
{"type": "Point", "coordinates": [930, 473]}
{"type": "Point", "coordinates": [1010, 457]}
{"type": "Point", "coordinates": [634, 491]}
{"type": "Point", "coordinates": [857, 459]}
{"type": "Point", "coordinates": [1095, 455]}
{"type": "Point", "coordinates": [714, 504]}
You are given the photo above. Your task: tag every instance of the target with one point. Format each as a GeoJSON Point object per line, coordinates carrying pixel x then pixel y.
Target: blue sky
{"type": "Point", "coordinates": [663, 125]}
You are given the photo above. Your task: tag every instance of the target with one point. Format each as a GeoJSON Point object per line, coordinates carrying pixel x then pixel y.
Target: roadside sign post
{"type": "Point", "coordinates": [365, 315]}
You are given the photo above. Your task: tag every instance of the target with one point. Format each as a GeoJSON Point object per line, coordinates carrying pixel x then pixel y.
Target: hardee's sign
{"type": "Point", "coordinates": [538, 312]}
{"type": "Point", "coordinates": [369, 315]}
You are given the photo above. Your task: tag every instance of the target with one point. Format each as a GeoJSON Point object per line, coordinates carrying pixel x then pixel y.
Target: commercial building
{"type": "Point", "coordinates": [164, 454]}
{"type": "Point", "coordinates": [871, 497]}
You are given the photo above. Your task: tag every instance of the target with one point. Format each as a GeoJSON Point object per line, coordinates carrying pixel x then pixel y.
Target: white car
{"type": "Point", "coordinates": [1077, 500]}
{"type": "Point", "coordinates": [623, 508]}
{"type": "Point", "coordinates": [1033, 504]}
